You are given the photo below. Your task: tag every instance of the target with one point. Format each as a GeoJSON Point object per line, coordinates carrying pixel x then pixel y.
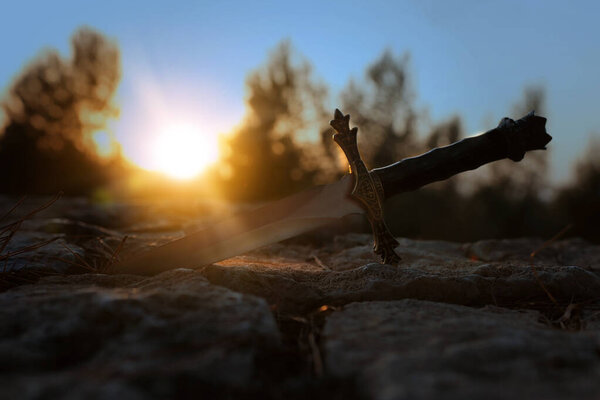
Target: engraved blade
{"type": "Point", "coordinates": [240, 233]}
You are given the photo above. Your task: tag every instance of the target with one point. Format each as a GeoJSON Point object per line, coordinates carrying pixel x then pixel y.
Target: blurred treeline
{"type": "Point", "coordinates": [284, 145]}
{"type": "Point", "coordinates": [52, 110]}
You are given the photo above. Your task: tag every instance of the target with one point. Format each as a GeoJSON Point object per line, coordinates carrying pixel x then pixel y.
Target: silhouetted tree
{"type": "Point", "coordinates": [383, 110]}
{"type": "Point", "coordinates": [579, 202]}
{"type": "Point", "coordinates": [264, 158]}
{"type": "Point", "coordinates": [52, 109]}
{"type": "Point", "coordinates": [508, 202]}
{"type": "Point", "coordinates": [530, 176]}
{"type": "Point", "coordinates": [436, 211]}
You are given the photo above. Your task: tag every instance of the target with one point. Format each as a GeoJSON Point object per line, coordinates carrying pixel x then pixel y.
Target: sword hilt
{"type": "Point", "coordinates": [368, 190]}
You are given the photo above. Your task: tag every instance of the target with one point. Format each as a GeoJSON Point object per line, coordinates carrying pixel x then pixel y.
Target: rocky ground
{"type": "Point", "coordinates": [312, 317]}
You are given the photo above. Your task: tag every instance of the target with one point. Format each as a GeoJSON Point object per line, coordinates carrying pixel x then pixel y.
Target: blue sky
{"type": "Point", "coordinates": [468, 57]}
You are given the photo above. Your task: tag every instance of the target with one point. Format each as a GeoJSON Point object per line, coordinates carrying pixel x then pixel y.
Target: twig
{"type": "Point", "coordinates": [34, 211]}
{"type": "Point", "coordinates": [567, 315]}
{"type": "Point", "coordinates": [116, 253]}
{"type": "Point", "coordinates": [78, 257]}
{"type": "Point", "coordinates": [320, 263]}
{"type": "Point", "coordinates": [6, 239]}
{"type": "Point", "coordinates": [103, 243]}
{"type": "Point", "coordinates": [83, 266]}
{"type": "Point", "coordinates": [10, 229]}
{"type": "Point", "coordinates": [26, 249]}
{"type": "Point", "coordinates": [551, 240]}
{"type": "Point", "coordinates": [14, 207]}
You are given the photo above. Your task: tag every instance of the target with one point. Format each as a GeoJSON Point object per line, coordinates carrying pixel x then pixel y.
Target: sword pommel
{"type": "Point", "coordinates": [518, 143]}
{"type": "Point", "coordinates": [368, 190]}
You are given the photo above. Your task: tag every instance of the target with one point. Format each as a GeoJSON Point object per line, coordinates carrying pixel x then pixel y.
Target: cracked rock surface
{"type": "Point", "coordinates": [299, 279]}
{"type": "Point", "coordinates": [130, 337]}
{"type": "Point", "coordinates": [306, 318]}
{"type": "Point", "coordinates": [411, 349]}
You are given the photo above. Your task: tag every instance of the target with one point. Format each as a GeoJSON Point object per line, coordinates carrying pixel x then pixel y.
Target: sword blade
{"type": "Point", "coordinates": [243, 232]}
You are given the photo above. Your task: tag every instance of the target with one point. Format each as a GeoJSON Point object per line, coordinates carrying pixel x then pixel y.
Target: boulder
{"type": "Point", "coordinates": [411, 349]}
{"type": "Point", "coordinates": [125, 336]}
{"type": "Point", "coordinates": [297, 279]}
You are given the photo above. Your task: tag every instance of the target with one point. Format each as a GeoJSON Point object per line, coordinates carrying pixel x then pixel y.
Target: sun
{"type": "Point", "coordinates": [183, 151]}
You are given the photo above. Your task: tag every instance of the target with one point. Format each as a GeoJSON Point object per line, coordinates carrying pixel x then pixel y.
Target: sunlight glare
{"type": "Point", "coordinates": [182, 151]}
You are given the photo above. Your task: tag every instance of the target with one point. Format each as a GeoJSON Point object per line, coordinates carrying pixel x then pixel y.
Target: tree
{"type": "Point", "coordinates": [579, 203]}
{"type": "Point", "coordinates": [383, 109]}
{"type": "Point", "coordinates": [508, 201]}
{"type": "Point", "coordinates": [52, 109]}
{"type": "Point", "coordinates": [264, 158]}
{"type": "Point", "coordinates": [529, 177]}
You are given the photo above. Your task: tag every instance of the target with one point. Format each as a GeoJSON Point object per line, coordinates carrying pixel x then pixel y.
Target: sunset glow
{"type": "Point", "coordinates": [182, 151]}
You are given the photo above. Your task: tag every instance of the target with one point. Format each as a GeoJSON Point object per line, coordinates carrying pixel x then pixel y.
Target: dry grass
{"type": "Point", "coordinates": [8, 231]}
{"type": "Point", "coordinates": [570, 314]}
{"type": "Point", "coordinates": [111, 256]}
{"type": "Point", "coordinates": [107, 255]}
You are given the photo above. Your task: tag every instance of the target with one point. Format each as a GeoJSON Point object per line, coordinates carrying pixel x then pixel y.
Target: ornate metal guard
{"type": "Point", "coordinates": [368, 190]}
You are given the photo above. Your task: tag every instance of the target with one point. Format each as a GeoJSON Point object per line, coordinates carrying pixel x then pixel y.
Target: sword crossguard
{"type": "Point", "coordinates": [368, 190]}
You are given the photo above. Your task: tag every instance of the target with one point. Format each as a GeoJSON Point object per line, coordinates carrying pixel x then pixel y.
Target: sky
{"type": "Point", "coordinates": [186, 61]}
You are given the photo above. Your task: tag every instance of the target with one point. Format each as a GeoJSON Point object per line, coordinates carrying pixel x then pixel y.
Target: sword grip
{"type": "Point", "coordinates": [510, 139]}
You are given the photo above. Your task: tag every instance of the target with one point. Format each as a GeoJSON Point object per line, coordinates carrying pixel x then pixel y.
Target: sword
{"type": "Point", "coordinates": [360, 192]}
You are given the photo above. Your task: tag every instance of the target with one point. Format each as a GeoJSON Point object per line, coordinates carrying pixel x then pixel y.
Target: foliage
{"type": "Point", "coordinates": [383, 109]}
{"type": "Point", "coordinates": [52, 109]}
{"type": "Point", "coordinates": [504, 200]}
{"type": "Point", "coordinates": [263, 157]}
{"type": "Point", "coordinates": [529, 177]}
{"type": "Point", "coordinates": [579, 202]}
{"type": "Point", "coordinates": [56, 103]}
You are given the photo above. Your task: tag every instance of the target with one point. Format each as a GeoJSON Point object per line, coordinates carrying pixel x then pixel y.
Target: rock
{"type": "Point", "coordinates": [67, 227]}
{"type": "Point", "coordinates": [73, 245]}
{"type": "Point", "coordinates": [72, 208]}
{"type": "Point", "coordinates": [212, 334]}
{"type": "Point", "coordinates": [295, 282]}
{"type": "Point", "coordinates": [123, 336]}
{"type": "Point", "coordinates": [412, 349]}
{"type": "Point", "coordinates": [502, 250]}
{"type": "Point", "coordinates": [566, 252]}
{"type": "Point", "coordinates": [57, 256]}
{"type": "Point", "coordinates": [576, 252]}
